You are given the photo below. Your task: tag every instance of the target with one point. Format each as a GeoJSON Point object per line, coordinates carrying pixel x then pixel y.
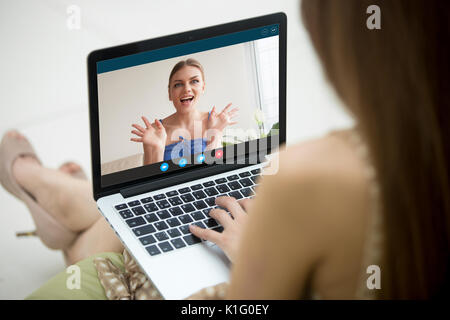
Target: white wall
{"type": "Point", "coordinates": [127, 94]}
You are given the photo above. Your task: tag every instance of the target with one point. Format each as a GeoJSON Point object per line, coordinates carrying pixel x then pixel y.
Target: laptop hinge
{"type": "Point", "coordinates": [178, 179]}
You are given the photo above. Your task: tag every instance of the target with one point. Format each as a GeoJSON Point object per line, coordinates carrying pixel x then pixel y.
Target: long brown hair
{"type": "Point", "coordinates": [395, 81]}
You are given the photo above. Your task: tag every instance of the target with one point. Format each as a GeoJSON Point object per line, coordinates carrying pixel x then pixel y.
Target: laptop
{"type": "Point", "coordinates": [150, 202]}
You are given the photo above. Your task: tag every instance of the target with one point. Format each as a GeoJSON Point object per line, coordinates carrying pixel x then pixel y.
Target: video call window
{"type": "Point", "coordinates": [171, 108]}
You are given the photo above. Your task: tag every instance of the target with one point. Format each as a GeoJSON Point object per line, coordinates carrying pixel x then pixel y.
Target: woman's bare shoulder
{"type": "Point", "coordinates": [326, 173]}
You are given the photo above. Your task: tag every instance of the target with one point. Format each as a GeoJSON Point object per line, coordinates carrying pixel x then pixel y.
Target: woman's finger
{"type": "Point", "coordinates": [234, 110]}
{"type": "Point", "coordinates": [147, 123]}
{"type": "Point", "coordinates": [231, 205]}
{"type": "Point", "coordinates": [226, 108]}
{"type": "Point", "coordinates": [213, 111]}
{"type": "Point", "coordinates": [158, 124]}
{"type": "Point", "coordinates": [206, 234]}
{"type": "Point", "coordinates": [138, 127]}
{"type": "Point", "coordinates": [138, 133]}
{"type": "Point", "coordinates": [245, 204]}
{"type": "Point", "coordinates": [136, 139]}
{"type": "Point", "coordinates": [222, 217]}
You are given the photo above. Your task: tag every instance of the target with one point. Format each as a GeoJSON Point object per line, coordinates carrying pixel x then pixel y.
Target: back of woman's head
{"type": "Point", "coordinates": [395, 81]}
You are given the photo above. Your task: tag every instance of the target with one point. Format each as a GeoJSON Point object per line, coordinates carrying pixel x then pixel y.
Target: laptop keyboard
{"type": "Point", "coordinates": [161, 222]}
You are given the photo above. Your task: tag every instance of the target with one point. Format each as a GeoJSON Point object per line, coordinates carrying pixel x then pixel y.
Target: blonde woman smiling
{"type": "Point", "coordinates": [169, 138]}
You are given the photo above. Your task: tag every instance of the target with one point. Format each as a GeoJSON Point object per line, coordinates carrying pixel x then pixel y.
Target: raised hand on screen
{"type": "Point", "coordinates": [219, 121]}
{"type": "Point", "coordinates": [152, 136]}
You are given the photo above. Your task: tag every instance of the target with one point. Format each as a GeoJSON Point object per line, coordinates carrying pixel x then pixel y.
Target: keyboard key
{"type": "Point", "coordinates": [159, 196]}
{"type": "Point", "coordinates": [151, 217]}
{"type": "Point", "coordinates": [187, 197]}
{"type": "Point", "coordinates": [191, 239]}
{"type": "Point", "coordinates": [161, 225]}
{"type": "Point", "coordinates": [138, 211]}
{"type": "Point", "coordinates": [176, 211]}
{"type": "Point", "coordinates": [153, 250]}
{"type": "Point", "coordinates": [165, 246]}
{"type": "Point", "coordinates": [172, 193]}
{"type": "Point", "coordinates": [256, 171]}
{"type": "Point", "coordinates": [185, 219]}
{"type": "Point", "coordinates": [210, 223]}
{"type": "Point", "coordinates": [173, 233]}
{"type": "Point", "coordinates": [233, 177]}
{"type": "Point", "coordinates": [247, 192]}
{"type": "Point", "coordinates": [147, 240]}
{"type": "Point", "coordinates": [134, 203]}
{"type": "Point", "coordinates": [121, 206]}
{"type": "Point", "coordinates": [197, 187]}
{"type": "Point", "coordinates": [178, 243]}
{"type": "Point", "coordinates": [187, 208]}
{"type": "Point", "coordinates": [234, 185]}
{"type": "Point", "coordinates": [218, 229]}
{"type": "Point", "coordinates": [223, 188]}
{"type": "Point", "coordinates": [126, 214]}
{"type": "Point", "coordinates": [235, 194]}
{"type": "Point", "coordinates": [206, 212]}
{"type": "Point", "coordinates": [245, 174]}
{"type": "Point", "coordinates": [221, 180]}
{"type": "Point", "coordinates": [173, 222]}
{"type": "Point", "coordinates": [175, 201]}
{"type": "Point", "coordinates": [163, 214]}
{"type": "Point", "coordinates": [211, 192]}
{"type": "Point", "coordinates": [161, 236]}
{"type": "Point", "coordinates": [147, 200]}
{"type": "Point", "coordinates": [200, 224]}
{"type": "Point", "coordinates": [144, 230]}
{"type": "Point", "coordinates": [185, 229]}
{"type": "Point", "coordinates": [255, 179]}
{"type": "Point", "coordinates": [199, 195]}
{"type": "Point", "coordinates": [246, 182]}
{"type": "Point", "coordinates": [163, 204]}
{"type": "Point", "coordinates": [184, 190]}
{"type": "Point", "coordinates": [197, 216]}
{"type": "Point", "coordinates": [208, 184]}
{"type": "Point", "coordinates": [150, 207]}
{"type": "Point", "coordinates": [211, 201]}
{"type": "Point", "coordinates": [200, 204]}
{"type": "Point", "coordinates": [135, 222]}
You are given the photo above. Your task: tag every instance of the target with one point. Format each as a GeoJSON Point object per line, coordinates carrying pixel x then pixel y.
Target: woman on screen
{"type": "Point", "coordinates": [169, 138]}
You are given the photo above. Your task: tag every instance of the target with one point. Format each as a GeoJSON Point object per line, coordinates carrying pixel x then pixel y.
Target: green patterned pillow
{"type": "Point", "coordinates": [57, 288]}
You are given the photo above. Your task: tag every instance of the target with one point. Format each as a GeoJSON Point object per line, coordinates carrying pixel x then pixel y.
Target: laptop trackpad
{"type": "Point", "coordinates": [177, 275]}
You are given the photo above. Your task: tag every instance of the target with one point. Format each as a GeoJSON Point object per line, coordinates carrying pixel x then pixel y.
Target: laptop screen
{"type": "Point", "coordinates": [188, 104]}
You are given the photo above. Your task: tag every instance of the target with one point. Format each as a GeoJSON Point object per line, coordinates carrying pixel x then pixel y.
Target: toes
{"type": "Point", "coordinates": [70, 167]}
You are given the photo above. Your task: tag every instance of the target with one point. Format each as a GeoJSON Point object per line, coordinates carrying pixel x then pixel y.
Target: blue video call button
{"type": "Point", "coordinates": [164, 166]}
{"type": "Point", "coordinates": [182, 162]}
{"type": "Point", "coordinates": [200, 158]}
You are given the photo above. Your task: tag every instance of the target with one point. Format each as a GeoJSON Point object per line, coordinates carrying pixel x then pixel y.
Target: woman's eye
{"type": "Point", "coordinates": [177, 85]}
{"type": "Point", "coordinates": [195, 81]}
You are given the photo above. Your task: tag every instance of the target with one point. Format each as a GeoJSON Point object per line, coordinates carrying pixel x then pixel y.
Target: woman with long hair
{"type": "Point", "coordinates": [359, 213]}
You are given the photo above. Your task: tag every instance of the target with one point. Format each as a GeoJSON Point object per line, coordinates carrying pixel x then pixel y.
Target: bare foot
{"type": "Point", "coordinates": [71, 168]}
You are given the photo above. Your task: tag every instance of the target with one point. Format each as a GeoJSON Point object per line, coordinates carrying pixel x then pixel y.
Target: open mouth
{"type": "Point", "coordinates": [186, 101]}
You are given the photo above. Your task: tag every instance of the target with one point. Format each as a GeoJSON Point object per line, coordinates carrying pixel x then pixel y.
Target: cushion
{"type": "Point", "coordinates": [90, 287]}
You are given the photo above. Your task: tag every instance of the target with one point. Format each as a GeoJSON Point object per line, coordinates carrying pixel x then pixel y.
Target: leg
{"type": "Point", "coordinates": [98, 238]}
{"type": "Point", "coordinates": [68, 199]}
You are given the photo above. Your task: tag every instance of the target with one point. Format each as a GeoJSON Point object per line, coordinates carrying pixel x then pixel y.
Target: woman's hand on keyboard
{"type": "Point", "coordinates": [233, 226]}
